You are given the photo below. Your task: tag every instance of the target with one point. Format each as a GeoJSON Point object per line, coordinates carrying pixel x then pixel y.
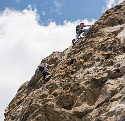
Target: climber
{"type": "Point", "coordinates": [43, 68]}
{"type": "Point", "coordinates": [80, 29]}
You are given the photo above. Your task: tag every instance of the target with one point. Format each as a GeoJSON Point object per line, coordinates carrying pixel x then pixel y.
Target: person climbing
{"type": "Point", "coordinates": [80, 29]}
{"type": "Point", "coordinates": [46, 74]}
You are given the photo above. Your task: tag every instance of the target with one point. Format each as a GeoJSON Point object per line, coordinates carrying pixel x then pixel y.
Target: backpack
{"type": "Point", "coordinates": [41, 67]}
{"type": "Point", "coordinates": [77, 27]}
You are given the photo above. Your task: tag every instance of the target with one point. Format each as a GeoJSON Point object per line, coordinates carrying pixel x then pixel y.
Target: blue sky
{"type": "Point", "coordinates": [30, 30]}
{"type": "Point", "coordinates": [58, 10]}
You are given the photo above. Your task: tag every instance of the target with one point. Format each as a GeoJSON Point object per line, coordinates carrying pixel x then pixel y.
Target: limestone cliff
{"type": "Point", "coordinates": [88, 82]}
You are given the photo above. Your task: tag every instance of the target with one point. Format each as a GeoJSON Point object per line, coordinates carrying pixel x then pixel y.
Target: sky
{"type": "Point", "coordinates": [30, 30]}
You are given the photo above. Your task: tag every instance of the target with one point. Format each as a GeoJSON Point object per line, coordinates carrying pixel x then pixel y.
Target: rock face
{"type": "Point", "coordinates": [88, 82]}
{"type": "Point", "coordinates": [123, 3]}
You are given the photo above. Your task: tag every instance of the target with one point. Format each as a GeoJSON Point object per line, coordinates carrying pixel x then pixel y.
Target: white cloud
{"type": "Point", "coordinates": [111, 3]}
{"type": "Point", "coordinates": [53, 10]}
{"type": "Point", "coordinates": [23, 44]}
{"type": "Point", "coordinates": [43, 13]}
{"type": "Point", "coordinates": [58, 4]}
{"type": "Point", "coordinates": [57, 7]}
{"type": "Point", "coordinates": [17, 1]}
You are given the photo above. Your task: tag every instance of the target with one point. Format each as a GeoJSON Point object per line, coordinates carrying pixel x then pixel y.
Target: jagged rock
{"type": "Point", "coordinates": [82, 110]}
{"type": "Point", "coordinates": [119, 68]}
{"type": "Point", "coordinates": [88, 82]}
{"type": "Point", "coordinates": [65, 101]}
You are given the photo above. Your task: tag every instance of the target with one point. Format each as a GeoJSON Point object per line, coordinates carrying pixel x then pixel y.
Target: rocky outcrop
{"type": "Point", "coordinates": [123, 3]}
{"type": "Point", "coordinates": [112, 17]}
{"type": "Point", "coordinates": [88, 82]}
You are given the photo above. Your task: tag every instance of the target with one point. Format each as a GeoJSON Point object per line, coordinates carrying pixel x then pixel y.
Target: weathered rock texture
{"type": "Point", "coordinates": [88, 82]}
